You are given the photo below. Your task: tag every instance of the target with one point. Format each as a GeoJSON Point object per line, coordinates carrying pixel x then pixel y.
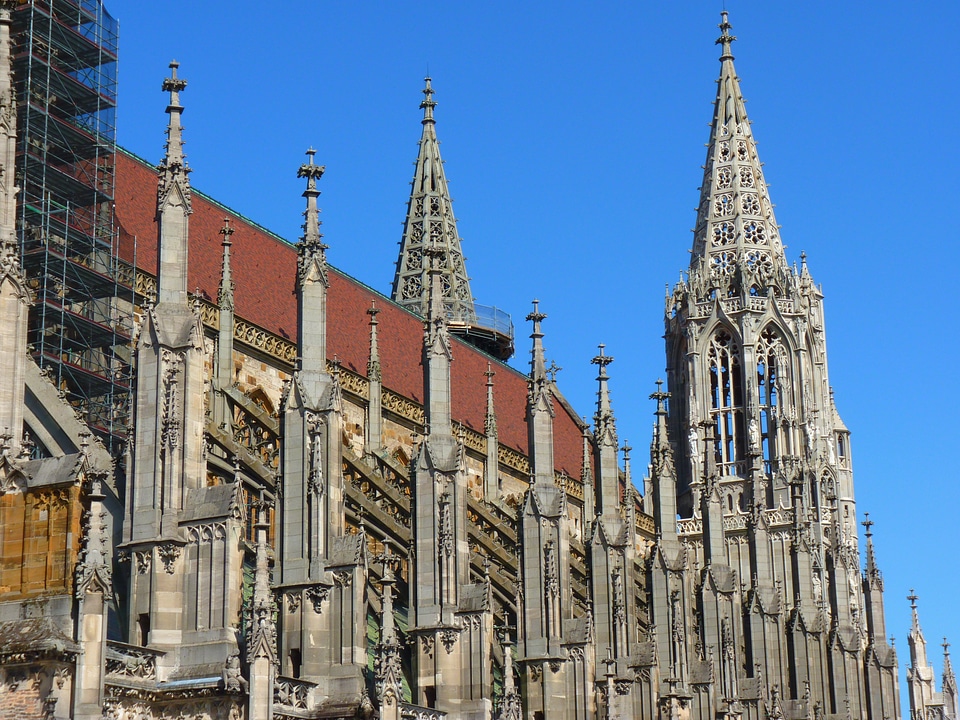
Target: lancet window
{"type": "Point", "coordinates": [771, 358]}
{"type": "Point", "coordinates": [726, 400]}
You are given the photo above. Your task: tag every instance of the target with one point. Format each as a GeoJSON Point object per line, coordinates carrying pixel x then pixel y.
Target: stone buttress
{"type": "Point", "coordinates": [322, 567]}
{"type": "Point", "coordinates": [612, 560]}
{"type": "Point", "coordinates": [451, 615]}
{"type": "Point", "coordinates": [555, 648]}
{"type": "Point", "coordinates": [180, 532]}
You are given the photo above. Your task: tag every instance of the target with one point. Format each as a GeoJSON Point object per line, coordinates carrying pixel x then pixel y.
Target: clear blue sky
{"type": "Point", "coordinates": [573, 137]}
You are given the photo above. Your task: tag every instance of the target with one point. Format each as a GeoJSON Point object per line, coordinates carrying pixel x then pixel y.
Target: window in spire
{"type": "Point", "coordinates": [771, 357]}
{"type": "Point", "coordinates": [726, 402]}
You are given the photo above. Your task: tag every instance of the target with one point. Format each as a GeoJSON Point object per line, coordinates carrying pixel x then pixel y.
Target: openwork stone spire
{"type": "Point", "coordinates": [430, 224]}
{"type": "Point", "coordinates": [736, 243]}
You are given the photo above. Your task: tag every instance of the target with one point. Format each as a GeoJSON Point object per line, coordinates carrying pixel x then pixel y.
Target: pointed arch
{"type": "Point", "coordinates": [724, 360]}
{"type": "Point", "coordinates": [773, 372]}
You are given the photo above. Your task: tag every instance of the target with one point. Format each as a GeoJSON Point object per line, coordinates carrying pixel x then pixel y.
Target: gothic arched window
{"type": "Point", "coordinates": [726, 402]}
{"type": "Point", "coordinates": [771, 360]}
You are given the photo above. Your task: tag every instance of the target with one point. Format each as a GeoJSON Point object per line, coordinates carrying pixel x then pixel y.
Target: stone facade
{"type": "Point", "coordinates": [381, 520]}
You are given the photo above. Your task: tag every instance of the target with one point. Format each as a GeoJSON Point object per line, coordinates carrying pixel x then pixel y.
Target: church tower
{"type": "Point", "coordinates": [764, 484]}
{"type": "Point", "coordinates": [430, 224]}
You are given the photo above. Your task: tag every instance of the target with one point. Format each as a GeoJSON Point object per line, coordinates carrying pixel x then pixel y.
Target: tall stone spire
{"type": "Point", "coordinates": [389, 673]}
{"type": "Point", "coordinates": [736, 245]}
{"type": "Point", "coordinates": [261, 638]}
{"type": "Point", "coordinates": [322, 567]}
{"type": "Point", "coordinates": [375, 378]}
{"type": "Point", "coordinates": [15, 296]}
{"type": "Point", "coordinates": [605, 429]}
{"type": "Point", "coordinates": [920, 676]}
{"type": "Point", "coordinates": [539, 405]}
{"type": "Point", "coordinates": [312, 280]}
{"type": "Point", "coordinates": [491, 468]}
{"type": "Point", "coordinates": [443, 599]}
{"type": "Point", "coordinates": [611, 557]}
{"type": "Point", "coordinates": [168, 452]}
{"type": "Point", "coordinates": [173, 199]}
{"type": "Point", "coordinates": [951, 697]}
{"type": "Point", "coordinates": [880, 658]}
{"type": "Point", "coordinates": [511, 707]}
{"type": "Point", "coordinates": [587, 478]}
{"type": "Point", "coordinates": [430, 223]}
{"type": "Point", "coordinates": [224, 370]}
{"type": "Point", "coordinates": [554, 689]}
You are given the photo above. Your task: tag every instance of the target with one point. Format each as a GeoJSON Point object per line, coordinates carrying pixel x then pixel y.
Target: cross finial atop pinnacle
{"type": "Point", "coordinates": [226, 231]}
{"type": "Point", "coordinates": [312, 239]}
{"type": "Point", "coordinates": [428, 103]}
{"type": "Point", "coordinates": [912, 597]}
{"type": "Point", "coordinates": [311, 171]}
{"type": "Point", "coordinates": [536, 316]}
{"type": "Point", "coordinates": [868, 523]}
{"type": "Point", "coordinates": [602, 360]}
{"type": "Point", "coordinates": [489, 373]}
{"type": "Point", "coordinates": [173, 84]}
{"type": "Point", "coordinates": [373, 311]}
{"type": "Point", "coordinates": [553, 370]}
{"type": "Point", "coordinates": [661, 397]}
{"type": "Point", "coordinates": [725, 39]}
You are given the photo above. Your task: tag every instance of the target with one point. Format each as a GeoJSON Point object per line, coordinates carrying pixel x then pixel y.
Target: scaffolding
{"type": "Point", "coordinates": [65, 69]}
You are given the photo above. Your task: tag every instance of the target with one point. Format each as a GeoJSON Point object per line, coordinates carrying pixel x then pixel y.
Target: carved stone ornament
{"type": "Point", "coordinates": [168, 554]}
{"type": "Point", "coordinates": [426, 645]}
{"type": "Point", "coordinates": [449, 639]}
{"type": "Point", "coordinates": [317, 596]}
{"type": "Point", "coordinates": [143, 560]}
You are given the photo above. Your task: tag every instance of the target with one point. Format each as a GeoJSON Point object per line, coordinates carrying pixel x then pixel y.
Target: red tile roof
{"type": "Point", "coordinates": [264, 270]}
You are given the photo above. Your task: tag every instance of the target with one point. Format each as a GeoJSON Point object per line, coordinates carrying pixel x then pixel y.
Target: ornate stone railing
{"type": "Point", "coordinates": [689, 526]}
{"type": "Point", "coordinates": [292, 693]}
{"type": "Point", "coordinates": [415, 712]}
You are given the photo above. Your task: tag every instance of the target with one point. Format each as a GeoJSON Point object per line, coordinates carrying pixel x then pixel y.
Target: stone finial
{"type": "Point", "coordinates": [174, 85]}
{"type": "Point", "coordinates": [311, 247]}
{"type": "Point", "coordinates": [225, 295]}
{"type": "Point", "coordinates": [604, 414]}
{"type": "Point", "coordinates": [538, 365]}
{"type": "Point", "coordinates": [726, 39]}
{"type": "Point", "coordinates": [661, 397]}
{"type": "Point", "coordinates": [490, 420]}
{"type": "Point", "coordinates": [510, 702]}
{"type": "Point", "coordinates": [373, 362]}
{"type": "Point", "coordinates": [428, 103]}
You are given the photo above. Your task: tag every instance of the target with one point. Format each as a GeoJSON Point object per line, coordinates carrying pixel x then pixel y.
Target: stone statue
{"type": "Point", "coordinates": [233, 680]}
{"type": "Point", "coordinates": [753, 434]}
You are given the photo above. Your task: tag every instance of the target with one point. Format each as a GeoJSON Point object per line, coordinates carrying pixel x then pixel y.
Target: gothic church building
{"type": "Point", "coordinates": [335, 504]}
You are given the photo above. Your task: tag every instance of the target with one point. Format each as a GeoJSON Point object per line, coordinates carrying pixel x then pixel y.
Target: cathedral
{"type": "Point", "coordinates": [237, 483]}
